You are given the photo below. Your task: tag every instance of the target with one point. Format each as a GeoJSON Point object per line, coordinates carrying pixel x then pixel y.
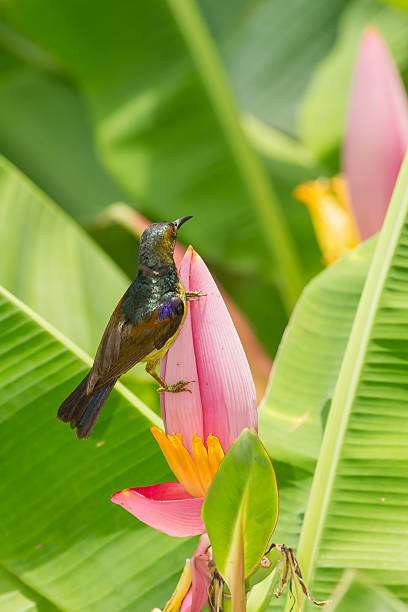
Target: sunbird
{"type": "Point", "coordinates": [142, 328]}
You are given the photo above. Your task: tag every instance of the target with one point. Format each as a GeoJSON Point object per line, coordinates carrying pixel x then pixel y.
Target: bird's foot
{"type": "Point", "coordinates": [178, 387]}
{"type": "Point", "coordinates": [194, 296]}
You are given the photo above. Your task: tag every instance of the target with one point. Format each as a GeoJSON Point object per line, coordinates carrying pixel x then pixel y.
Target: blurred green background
{"type": "Point", "coordinates": [103, 103]}
{"type": "Point", "coordinates": [206, 108]}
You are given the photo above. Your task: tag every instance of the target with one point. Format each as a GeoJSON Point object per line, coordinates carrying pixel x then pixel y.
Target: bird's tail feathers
{"type": "Point", "coordinates": [82, 410]}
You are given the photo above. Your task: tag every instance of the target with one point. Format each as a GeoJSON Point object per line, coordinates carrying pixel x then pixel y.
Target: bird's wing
{"type": "Point", "coordinates": [124, 344]}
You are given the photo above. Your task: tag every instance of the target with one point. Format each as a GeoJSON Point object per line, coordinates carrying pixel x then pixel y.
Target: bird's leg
{"type": "Point", "coordinates": [151, 369]}
{"type": "Point", "coordinates": [193, 296]}
{"type": "Point", "coordinates": [178, 387]}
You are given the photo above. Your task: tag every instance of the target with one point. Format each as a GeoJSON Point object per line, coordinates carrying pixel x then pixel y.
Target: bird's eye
{"type": "Point", "coordinates": [172, 230]}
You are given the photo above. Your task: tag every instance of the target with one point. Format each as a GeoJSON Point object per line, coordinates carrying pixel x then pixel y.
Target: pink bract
{"type": "Point", "coordinates": [166, 507]}
{"type": "Point", "coordinates": [197, 596]}
{"type": "Point", "coordinates": [377, 132]}
{"type": "Point", "coordinates": [208, 351]}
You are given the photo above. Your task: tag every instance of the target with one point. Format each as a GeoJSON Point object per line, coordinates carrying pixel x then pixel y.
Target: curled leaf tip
{"type": "Point", "coordinates": [289, 571]}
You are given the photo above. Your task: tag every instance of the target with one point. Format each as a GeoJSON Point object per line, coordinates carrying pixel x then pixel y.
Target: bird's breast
{"type": "Point", "coordinates": [158, 354]}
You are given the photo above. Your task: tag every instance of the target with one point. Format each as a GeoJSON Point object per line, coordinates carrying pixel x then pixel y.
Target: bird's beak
{"type": "Point", "coordinates": [179, 222]}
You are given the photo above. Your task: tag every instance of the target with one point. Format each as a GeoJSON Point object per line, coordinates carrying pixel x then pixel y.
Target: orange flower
{"type": "Point", "coordinates": [332, 215]}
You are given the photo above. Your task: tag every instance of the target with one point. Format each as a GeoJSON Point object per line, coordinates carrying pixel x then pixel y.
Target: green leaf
{"type": "Point", "coordinates": [262, 571]}
{"type": "Point", "coordinates": [18, 597]}
{"type": "Point", "coordinates": [52, 265]}
{"type": "Point", "coordinates": [362, 471]}
{"type": "Point", "coordinates": [271, 51]}
{"type": "Point", "coordinates": [356, 593]}
{"type": "Point", "coordinates": [290, 164]}
{"type": "Point", "coordinates": [61, 536]}
{"type": "Point", "coordinates": [45, 131]}
{"type": "Point", "coordinates": [260, 594]}
{"type": "Point", "coordinates": [15, 601]}
{"type": "Point", "coordinates": [292, 423]}
{"type": "Point", "coordinates": [363, 504]}
{"type": "Point", "coordinates": [241, 508]}
{"type": "Point", "coordinates": [309, 359]}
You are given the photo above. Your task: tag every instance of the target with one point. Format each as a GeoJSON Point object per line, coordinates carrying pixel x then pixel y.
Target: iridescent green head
{"type": "Point", "coordinates": [158, 241]}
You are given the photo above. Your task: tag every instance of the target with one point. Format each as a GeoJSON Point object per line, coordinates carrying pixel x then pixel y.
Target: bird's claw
{"type": "Point", "coordinates": [194, 296]}
{"type": "Point", "coordinates": [178, 387]}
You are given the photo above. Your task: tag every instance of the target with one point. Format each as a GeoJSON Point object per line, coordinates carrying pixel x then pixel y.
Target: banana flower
{"type": "Point", "coordinates": [375, 144]}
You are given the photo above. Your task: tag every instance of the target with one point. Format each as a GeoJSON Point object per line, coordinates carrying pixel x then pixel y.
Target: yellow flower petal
{"type": "Point", "coordinates": [332, 216]}
{"type": "Point", "coordinates": [215, 454]}
{"type": "Point", "coordinates": [194, 472]}
{"type": "Point", "coordinates": [181, 590]}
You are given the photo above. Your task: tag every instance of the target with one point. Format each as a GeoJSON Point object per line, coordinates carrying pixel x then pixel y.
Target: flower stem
{"type": "Point", "coordinates": [237, 587]}
{"type": "Point", "coordinates": [236, 577]}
